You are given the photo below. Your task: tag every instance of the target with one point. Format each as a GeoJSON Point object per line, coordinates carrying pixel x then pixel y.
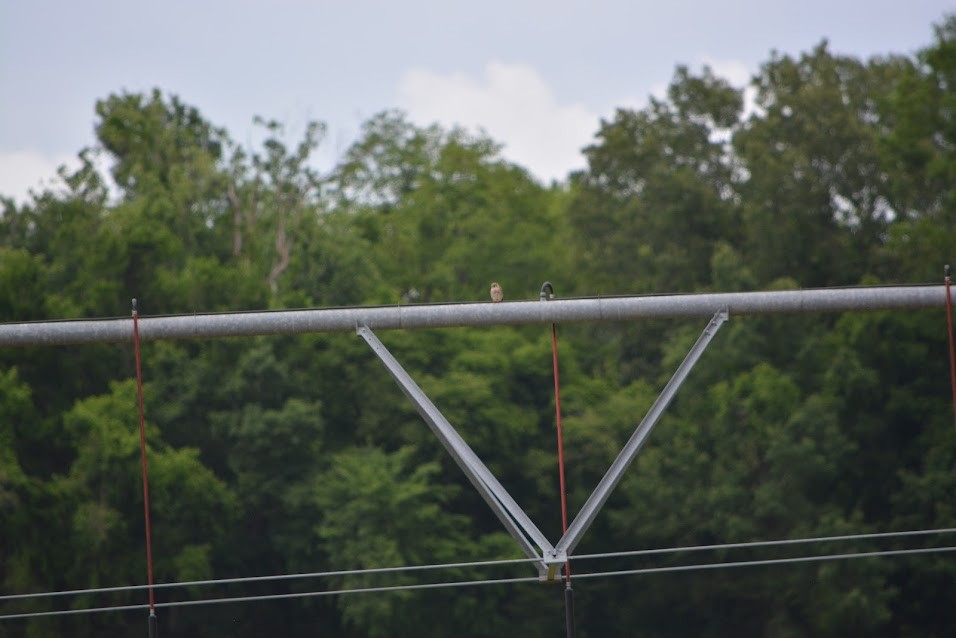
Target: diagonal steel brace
{"type": "Point", "coordinates": [508, 511]}
{"type": "Point", "coordinates": [614, 473]}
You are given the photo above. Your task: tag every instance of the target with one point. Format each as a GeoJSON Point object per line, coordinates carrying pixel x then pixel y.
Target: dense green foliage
{"type": "Point", "coordinates": [298, 454]}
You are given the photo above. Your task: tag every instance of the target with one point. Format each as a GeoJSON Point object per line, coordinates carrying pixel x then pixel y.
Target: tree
{"type": "Point", "coordinates": [916, 149]}
{"type": "Point", "coordinates": [16, 495]}
{"type": "Point", "coordinates": [813, 187]}
{"type": "Point", "coordinates": [380, 509]}
{"type": "Point", "coordinates": [85, 529]}
{"type": "Point", "coordinates": [654, 199]}
{"type": "Point", "coordinates": [447, 215]}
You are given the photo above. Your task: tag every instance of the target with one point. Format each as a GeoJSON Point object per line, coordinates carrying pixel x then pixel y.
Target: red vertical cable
{"type": "Point", "coordinates": [547, 292]}
{"type": "Point", "coordinates": [952, 352]}
{"type": "Point", "coordinates": [557, 410]}
{"type": "Point", "coordinates": [145, 466]}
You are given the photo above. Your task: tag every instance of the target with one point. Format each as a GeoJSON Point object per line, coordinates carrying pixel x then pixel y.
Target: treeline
{"type": "Point", "coordinates": [299, 454]}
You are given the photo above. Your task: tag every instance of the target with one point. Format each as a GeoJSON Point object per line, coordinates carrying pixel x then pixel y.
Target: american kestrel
{"type": "Point", "coordinates": [496, 293]}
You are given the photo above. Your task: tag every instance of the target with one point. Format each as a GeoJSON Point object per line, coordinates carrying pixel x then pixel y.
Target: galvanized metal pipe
{"type": "Point", "coordinates": [236, 324]}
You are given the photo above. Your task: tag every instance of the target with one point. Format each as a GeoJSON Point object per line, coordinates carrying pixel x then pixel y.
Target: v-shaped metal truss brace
{"type": "Point", "coordinates": [532, 541]}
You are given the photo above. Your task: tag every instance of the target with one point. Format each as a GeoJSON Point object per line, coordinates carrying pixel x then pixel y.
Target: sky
{"type": "Point", "coordinates": [537, 76]}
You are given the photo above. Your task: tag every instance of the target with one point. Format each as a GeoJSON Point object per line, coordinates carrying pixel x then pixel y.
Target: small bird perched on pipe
{"type": "Point", "coordinates": [496, 292]}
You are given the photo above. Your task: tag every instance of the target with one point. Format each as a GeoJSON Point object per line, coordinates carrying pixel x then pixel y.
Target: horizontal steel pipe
{"type": "Point", "coordinates": [238, 324]}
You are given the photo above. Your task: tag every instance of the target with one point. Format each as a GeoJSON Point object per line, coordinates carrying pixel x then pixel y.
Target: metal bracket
{"type": "Point", "coordinates": [554, 560]}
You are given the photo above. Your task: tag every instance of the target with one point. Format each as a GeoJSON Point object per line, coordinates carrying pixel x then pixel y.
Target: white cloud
{"type": "Point", "coordinates": [734, 71]}
{"type": "Point", "coordinates": [514, 105]}
{"type": "Point", "coordinates": [23, 170]}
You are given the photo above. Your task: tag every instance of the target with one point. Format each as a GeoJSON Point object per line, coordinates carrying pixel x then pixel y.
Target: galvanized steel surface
{"type": "Point", "coordinates": [237, 324]}
{"type": "Point", "coordinates": [599, 496]}
{"type": "Point", "coordinates": [508, 511]}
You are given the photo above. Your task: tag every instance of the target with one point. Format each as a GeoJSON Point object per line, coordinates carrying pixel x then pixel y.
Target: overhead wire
{"type": "Point", "coordinates": [497, 581]}
{"type": "Point", "coordinates": [483, 563]}
{"type": "Point", "coordinates": [768, 561]}
{"type": "Point", "coordinates": [275, 577]}
{"type": "Point", "coordinates": [307, 594]}
{"type": "Point", "coordinates": [770, 543]}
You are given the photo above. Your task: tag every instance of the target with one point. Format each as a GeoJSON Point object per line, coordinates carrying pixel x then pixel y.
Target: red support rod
{"type": "Point", "coordinates": [145, 466]}
{"type": "Point", "coordinates": [952, 351]}
{"type": "Point", "coordinates": [557, 410]}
